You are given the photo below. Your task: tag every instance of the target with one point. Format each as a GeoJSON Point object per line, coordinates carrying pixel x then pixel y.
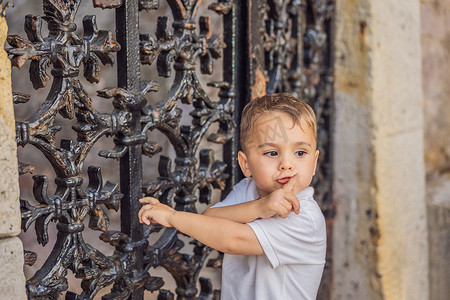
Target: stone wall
{"type": "Point", "coordinates": [380, 231]}
{"type": "Point", "coordinates": [435, 34]}
{"type": "Point", "coordinates": [436, 92]}
{"type": "Point", "coordinates": [12, 280]}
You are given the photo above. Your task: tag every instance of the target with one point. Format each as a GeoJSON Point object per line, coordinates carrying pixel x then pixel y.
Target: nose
{"type": "Point", "coordinates": [286, 164]}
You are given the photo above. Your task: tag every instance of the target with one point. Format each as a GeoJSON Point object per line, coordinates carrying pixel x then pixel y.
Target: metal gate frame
{"type": "Point", "coordinates": [267, 46]}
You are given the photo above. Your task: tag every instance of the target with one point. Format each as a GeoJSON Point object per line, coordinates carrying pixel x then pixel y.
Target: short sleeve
{"type": "Point", "coordinates": [297, 239]}
{"type": "Point", "coordinates": [243, 191]}
{"type": "Point", "coordinates": [230, 199]}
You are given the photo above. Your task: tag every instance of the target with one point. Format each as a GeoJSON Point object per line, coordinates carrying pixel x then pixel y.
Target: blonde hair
{"type": "Point", "coordinates": [295, 108]}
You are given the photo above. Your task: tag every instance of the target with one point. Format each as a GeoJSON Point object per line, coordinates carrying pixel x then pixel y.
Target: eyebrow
{"type": "Point", "coordinates": [275, 145]}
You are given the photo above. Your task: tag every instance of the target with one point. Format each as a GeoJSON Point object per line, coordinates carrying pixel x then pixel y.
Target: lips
{"type": "Point", "coordinates": [283, 180]}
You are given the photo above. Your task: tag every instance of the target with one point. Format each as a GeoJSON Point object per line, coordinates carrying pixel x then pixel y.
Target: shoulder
{"type": "Point", "coordinates": [311, 216]}
{"type": "Point", "coordinates": [245, 190]}
{"type": "Point", "coordinates": [243, 184]}
{"type": "Point", "coordinates": [310, 222]}
{"type": "Point", "coordinates": [297, 239]}
{"type": "Point", "coordinates": [308, 203]}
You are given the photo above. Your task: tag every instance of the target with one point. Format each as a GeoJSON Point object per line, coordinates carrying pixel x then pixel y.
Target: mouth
{"type": "Point", "coordinates": [283, 180]}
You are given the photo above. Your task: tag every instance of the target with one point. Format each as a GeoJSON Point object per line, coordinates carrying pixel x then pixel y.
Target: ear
{"type": "Point", "coordinates": [243, 163]}
{"type": "Point", "coordinates": [315, 161]}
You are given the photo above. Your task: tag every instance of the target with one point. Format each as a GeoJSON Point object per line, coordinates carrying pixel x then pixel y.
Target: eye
{"type": "Point", "coordinates": [271, 153]}
{"type": "Point", "coordinates": [300, 153]}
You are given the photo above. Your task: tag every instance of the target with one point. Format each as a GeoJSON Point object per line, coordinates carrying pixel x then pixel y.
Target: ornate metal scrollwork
{"type": "Point", "coordinates": [66, 53]}
{"type": "Point", "coordinates": [297, 39]}
{"type": "Point", "coordinates": [182, 48]}
{"type": "Point", "coordinates": [71, 204]}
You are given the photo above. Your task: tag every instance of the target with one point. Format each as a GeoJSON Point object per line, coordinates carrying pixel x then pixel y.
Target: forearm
{"type": "Point", "coordinates": [241, 213]}
{"type": "Point", "coordinates": [218, 233]}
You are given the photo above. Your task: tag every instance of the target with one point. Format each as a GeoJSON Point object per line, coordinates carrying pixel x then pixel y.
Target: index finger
{"type": "Point", "coordinates": [293, 201]}
{"type": "Point", "coordinates": [149, 200]}
{"type": "Point", "coordinates": [288, 186]}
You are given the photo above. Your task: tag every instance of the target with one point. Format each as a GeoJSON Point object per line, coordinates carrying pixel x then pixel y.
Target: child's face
{"type": "Point", "coordinates": [277, 150]}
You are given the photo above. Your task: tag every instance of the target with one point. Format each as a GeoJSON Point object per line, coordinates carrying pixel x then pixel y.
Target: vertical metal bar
{"type": "Point", "coordinates": [128, 74]}
{"type": "Point", "coordinates": [128, 63]}
{"type": "Point", "coordinates": [236, 70]}
{"type": "Point", "coordinates": [239, 69]}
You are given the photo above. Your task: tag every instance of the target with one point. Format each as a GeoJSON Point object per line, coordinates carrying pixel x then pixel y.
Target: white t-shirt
{"type": "Point", "coordinates": [294, 250]}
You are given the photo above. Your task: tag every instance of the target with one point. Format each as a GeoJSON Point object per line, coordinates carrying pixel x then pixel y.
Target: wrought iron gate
{"type": "Point", "coordinates": [265, 46]}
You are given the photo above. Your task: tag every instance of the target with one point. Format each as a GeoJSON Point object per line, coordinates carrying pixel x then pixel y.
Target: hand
{"type": "Point", "coordinates": [282, 201]}
{"type": "Point", "coordinates": [155, 212]}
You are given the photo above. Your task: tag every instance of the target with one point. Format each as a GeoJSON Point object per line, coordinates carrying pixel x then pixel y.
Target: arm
{"type": "Point", "coordinates": [221, 234]}
{"type": "Point", "coordinates": [240, 213]}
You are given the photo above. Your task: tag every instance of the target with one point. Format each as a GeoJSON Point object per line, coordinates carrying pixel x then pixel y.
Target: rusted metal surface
{"type": "Point", "coordinates": [107, 3]}
{"type": "Point", "coordinates": [266, 46]}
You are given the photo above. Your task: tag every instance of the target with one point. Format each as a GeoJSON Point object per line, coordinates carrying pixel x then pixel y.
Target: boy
{"type": "Point", "coordinates": [272, 250]}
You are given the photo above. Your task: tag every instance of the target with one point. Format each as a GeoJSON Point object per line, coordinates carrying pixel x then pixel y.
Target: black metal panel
{"type": "Point", "coordinates": [266, 46]}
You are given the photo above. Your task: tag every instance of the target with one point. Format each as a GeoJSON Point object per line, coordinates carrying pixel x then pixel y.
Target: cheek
{"type": "Point", "coordinates": [307, 169]}
{"type": "Point", "coordinates": [257, 169]}
{"type": "Point", "coordinates": [262, 170]}
{"type": "Point", "coordinates": [258, 163]}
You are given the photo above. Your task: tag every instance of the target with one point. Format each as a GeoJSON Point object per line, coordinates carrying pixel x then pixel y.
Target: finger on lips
{"type": "Point", "coordinates": [288, 186]}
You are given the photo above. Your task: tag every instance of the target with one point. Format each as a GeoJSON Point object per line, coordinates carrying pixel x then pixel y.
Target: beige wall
{"type": "Point", "coordinates": [436, 88]}
{"type": "Point", "coordinates": [12, 280]}
{"type": "Point", "coordinates": [435, 24]}
{"type": "Point", "coordinates": [380, 234]}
